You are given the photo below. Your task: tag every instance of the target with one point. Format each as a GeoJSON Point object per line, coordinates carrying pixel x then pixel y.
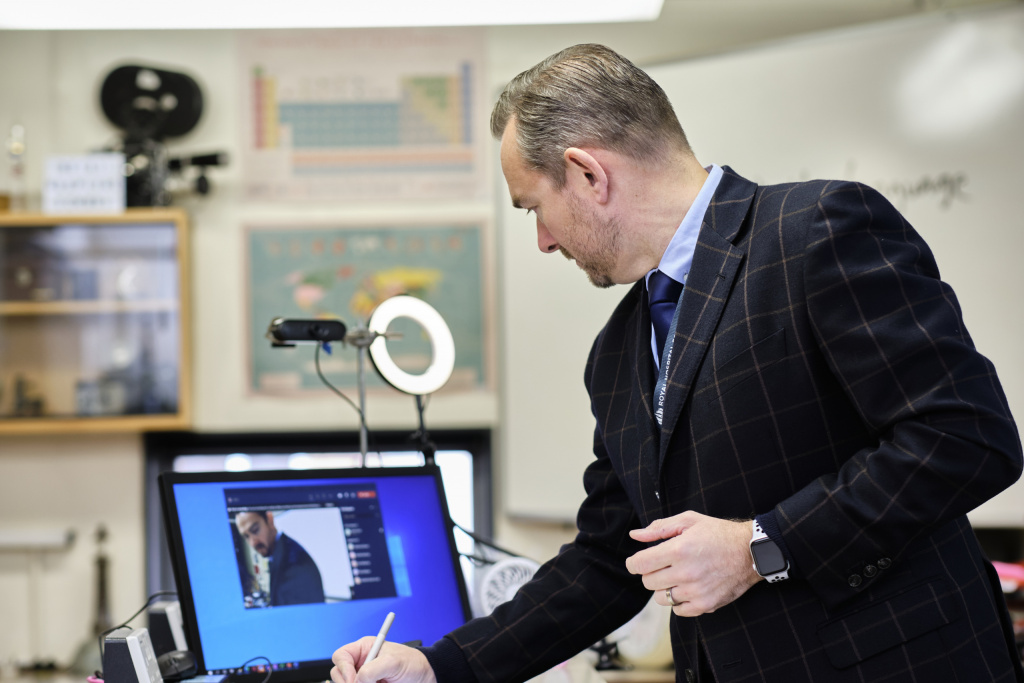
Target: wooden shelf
{"type": "Point", "coordinates": [86, 307]}
{"type": "Point", "coordinates": [59, 355]}
{"type": "Point", "coordinates": [92, 425]}
{"type": "Point", "coordinates": [133, 215]}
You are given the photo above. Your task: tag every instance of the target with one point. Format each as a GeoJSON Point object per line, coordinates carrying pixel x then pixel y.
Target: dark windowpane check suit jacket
{"type": "Point", "coordinates": [824, 374]}
{"type": "Point", "coordinates": [294, 576]}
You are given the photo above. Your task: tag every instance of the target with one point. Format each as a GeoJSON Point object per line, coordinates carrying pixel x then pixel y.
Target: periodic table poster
{"type": "Point", "coordinates": [367, 115]}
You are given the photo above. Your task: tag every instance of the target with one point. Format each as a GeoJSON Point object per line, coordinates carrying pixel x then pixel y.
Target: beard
{"type": "Point", "coordinates": [597, 276]}
{"type": "Point", "coordinates": [598, 244]}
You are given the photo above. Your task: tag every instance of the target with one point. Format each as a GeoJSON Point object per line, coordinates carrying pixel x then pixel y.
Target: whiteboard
{"type": "Point", "coordinates": [930, 111]}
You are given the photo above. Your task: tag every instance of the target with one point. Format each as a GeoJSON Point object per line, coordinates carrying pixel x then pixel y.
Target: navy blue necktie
{"type": "Point", "coordinates": [663, 294]}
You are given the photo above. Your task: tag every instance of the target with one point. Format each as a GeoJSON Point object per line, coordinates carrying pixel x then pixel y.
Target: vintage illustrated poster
{"type": "Point", "coordinates": [306, 272]}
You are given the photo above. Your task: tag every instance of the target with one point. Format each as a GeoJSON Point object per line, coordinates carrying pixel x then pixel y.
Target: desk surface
{"type": "Point", "coordinates": [580, 670]}
{"type": "Point", "coordinates": [576, 670]}
{"type": "Point", "coordinates": [664, 676]}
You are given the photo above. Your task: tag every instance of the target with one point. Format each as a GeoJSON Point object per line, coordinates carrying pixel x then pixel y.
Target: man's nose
{"type": "Point", "coordinates": [545, 242]}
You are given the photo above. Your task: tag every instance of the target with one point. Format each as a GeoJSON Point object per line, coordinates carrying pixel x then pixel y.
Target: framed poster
{"type": "Point", "coordinates": [344, 272]}
{"type": "Point", "coordinates": [367, 115]}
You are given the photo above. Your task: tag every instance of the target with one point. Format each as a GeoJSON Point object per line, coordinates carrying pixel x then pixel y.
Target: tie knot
{"type": "Point", "coordinates": [662, 289]}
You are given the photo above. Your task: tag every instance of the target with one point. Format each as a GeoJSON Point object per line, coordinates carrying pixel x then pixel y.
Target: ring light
{"type": "Point", "coordinates": [443, 361]}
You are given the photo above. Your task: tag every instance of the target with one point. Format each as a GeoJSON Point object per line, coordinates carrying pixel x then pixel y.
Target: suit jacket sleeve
{"type": "Point", "coordinates": [575, 599]}
{"type": "Point", "coordinates": [294, 578]}
{"type": "Point", "coordinates": [893, 335]}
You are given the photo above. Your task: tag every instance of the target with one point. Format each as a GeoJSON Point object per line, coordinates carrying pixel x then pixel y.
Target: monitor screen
{"type": "Point", "coordinates": [290, 565]}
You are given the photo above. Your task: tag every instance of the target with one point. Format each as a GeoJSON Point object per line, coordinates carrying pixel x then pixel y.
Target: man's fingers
{"type": "Point", "coordinates": [705, 562]}
{"type": "Point", "coordinates": [661, 596]}
{"type": "Point", "coordinates": [654, 532]}
{"type": "Point", "coordinates": [377, 670]}
{"type": "Point", "coordinates": [397, 663]}
{"type": "Point", "coordinates": [343, 673]}
{"type": "Point", "coordinates": [386, 667]}
{"type": "Point", "coordinates": [352, 653]}
{"type": "Point", "coordinates": [346, 659]}
{"type": "Point", "coordinates": [658, 581]}
{"type": "Point", "coordinates": [651, 560]}
{"type": "Point", "coordinates": [667, 527]}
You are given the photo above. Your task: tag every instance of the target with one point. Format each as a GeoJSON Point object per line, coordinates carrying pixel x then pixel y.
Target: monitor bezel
{"type": "Point", "coordinates": [313, 671]}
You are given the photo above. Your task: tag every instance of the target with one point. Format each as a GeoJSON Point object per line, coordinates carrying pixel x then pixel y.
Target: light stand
{"type": "Point", "coordinates": [362, 338]}
{"type": "Point", "coordinates": [426, 445]}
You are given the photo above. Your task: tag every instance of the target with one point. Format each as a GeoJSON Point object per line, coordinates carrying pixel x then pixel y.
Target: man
{"type": "Point", "coordinates": [294, 577]}
{"type": "Point", "coordinates": [817, 395]}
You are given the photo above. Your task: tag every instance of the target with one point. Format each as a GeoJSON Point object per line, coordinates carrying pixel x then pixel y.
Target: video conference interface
{"type": "Point", "coordinates": [290, 569]}
{"type": "Point", "coordinates": [279, 532]}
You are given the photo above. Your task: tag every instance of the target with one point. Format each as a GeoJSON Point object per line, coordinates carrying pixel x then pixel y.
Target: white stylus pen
{"type": "Point", "coordinates": [379, 640]}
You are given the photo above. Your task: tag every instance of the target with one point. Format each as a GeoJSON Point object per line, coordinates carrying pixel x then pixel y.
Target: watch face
{"type": "Point", "coordinates": [767, 557]}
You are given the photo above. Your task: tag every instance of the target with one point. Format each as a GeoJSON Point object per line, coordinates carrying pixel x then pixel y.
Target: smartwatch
{"type": "Point", "coordinates": [769, 561]}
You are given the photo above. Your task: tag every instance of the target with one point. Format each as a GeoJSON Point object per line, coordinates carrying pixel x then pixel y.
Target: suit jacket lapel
{"type": "Point", "coordinates": [716, 263]}
{"type": "Point", "coordinates": [644, 387]}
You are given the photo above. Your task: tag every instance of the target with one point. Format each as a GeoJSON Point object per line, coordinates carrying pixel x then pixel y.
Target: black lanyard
{"type": "Point", "coordinates": [661, 388]}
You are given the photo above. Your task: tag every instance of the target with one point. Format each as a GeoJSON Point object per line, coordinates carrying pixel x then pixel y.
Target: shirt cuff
{"type": "Point", "coordinates": [448, 662]}
{"type": "Point", "coordinates": [770, 525]}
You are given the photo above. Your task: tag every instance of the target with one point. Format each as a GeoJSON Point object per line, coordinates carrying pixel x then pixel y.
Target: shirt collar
{"type": "Point", "coordinates": [678, 257]}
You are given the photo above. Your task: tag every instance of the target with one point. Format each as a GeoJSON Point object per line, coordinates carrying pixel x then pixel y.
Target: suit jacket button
{"type": "Point", "coordinates": [657, 494]}
{"type": "Point", "coordinates": [884, 563]}
{"type": "Point", "coordinates": [870, 570]}
{"type": "Point", "coordinates": [854, 580]}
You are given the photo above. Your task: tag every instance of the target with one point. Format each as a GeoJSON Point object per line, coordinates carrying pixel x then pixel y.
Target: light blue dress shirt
{"type": "Point", "coordinates": [678, 257]}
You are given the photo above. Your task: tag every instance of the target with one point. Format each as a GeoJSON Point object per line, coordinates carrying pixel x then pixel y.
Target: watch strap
{"type": "Point", "coordinates": [758, 535]}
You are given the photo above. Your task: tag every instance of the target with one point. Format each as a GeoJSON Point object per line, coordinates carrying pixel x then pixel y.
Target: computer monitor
{"type": "Point", "coordinates": [290, 565]}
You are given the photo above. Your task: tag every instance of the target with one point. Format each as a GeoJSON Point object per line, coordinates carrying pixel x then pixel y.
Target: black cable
{"type": "Point", "coordinates": [269, 666]}
{"type": "Point", "coordinates": [149, 600]}
{"type": "Point", "coordinates": [427, 447]}
{"type": "Point", "coordinates": [319, 372]}
{"type": "Point", "coordinates": [359, 412]}
{"type": "Point", "coordinates": [484, 541]}
{"type": "Point", "coordinates": [478, 560]}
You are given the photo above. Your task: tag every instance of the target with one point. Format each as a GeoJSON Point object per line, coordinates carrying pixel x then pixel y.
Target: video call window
{"type": "Point", "coordinates": [310, 544]}
{"type": "Point", "coordinates": [463, 457]}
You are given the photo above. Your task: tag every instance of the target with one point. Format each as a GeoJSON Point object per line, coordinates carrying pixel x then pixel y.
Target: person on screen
{"type": "Point", "coordinates": [294, 576]}
{"type": "Point", "coordinates": [785, 457]}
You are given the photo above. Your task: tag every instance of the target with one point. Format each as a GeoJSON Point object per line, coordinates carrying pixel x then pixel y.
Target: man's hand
{"type": "Point", "coordinates": [705, 561]}
{"type": "Point", "coordinates": [394, 663]}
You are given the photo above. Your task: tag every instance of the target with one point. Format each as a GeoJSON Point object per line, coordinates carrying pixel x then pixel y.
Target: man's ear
{"type": "Point", "coordinates": [587, 173]}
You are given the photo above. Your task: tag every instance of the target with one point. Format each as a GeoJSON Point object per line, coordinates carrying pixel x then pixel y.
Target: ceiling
{"type": "Point", "coordinates": [694, 28]}
{"type": "Point", "coordinates": [720, 25]}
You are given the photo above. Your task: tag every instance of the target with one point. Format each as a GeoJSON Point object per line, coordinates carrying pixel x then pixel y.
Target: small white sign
{"type": "Point", "coordinates": [88, 183]}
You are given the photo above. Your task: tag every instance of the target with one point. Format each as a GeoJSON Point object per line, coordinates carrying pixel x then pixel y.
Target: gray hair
{"type": "Point", "coordinates": [586, 96]}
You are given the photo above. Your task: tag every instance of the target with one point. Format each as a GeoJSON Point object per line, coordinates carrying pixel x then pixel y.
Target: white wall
{"type": "Point", "coordinates": [78, 482]}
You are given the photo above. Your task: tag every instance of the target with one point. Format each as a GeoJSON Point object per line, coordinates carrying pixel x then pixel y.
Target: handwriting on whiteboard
{"type": "Point", "coordinates": [947, 188]}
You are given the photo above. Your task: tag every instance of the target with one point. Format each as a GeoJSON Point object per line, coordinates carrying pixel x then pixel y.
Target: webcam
{"type": "Point", "coordinates": [287, 332]}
